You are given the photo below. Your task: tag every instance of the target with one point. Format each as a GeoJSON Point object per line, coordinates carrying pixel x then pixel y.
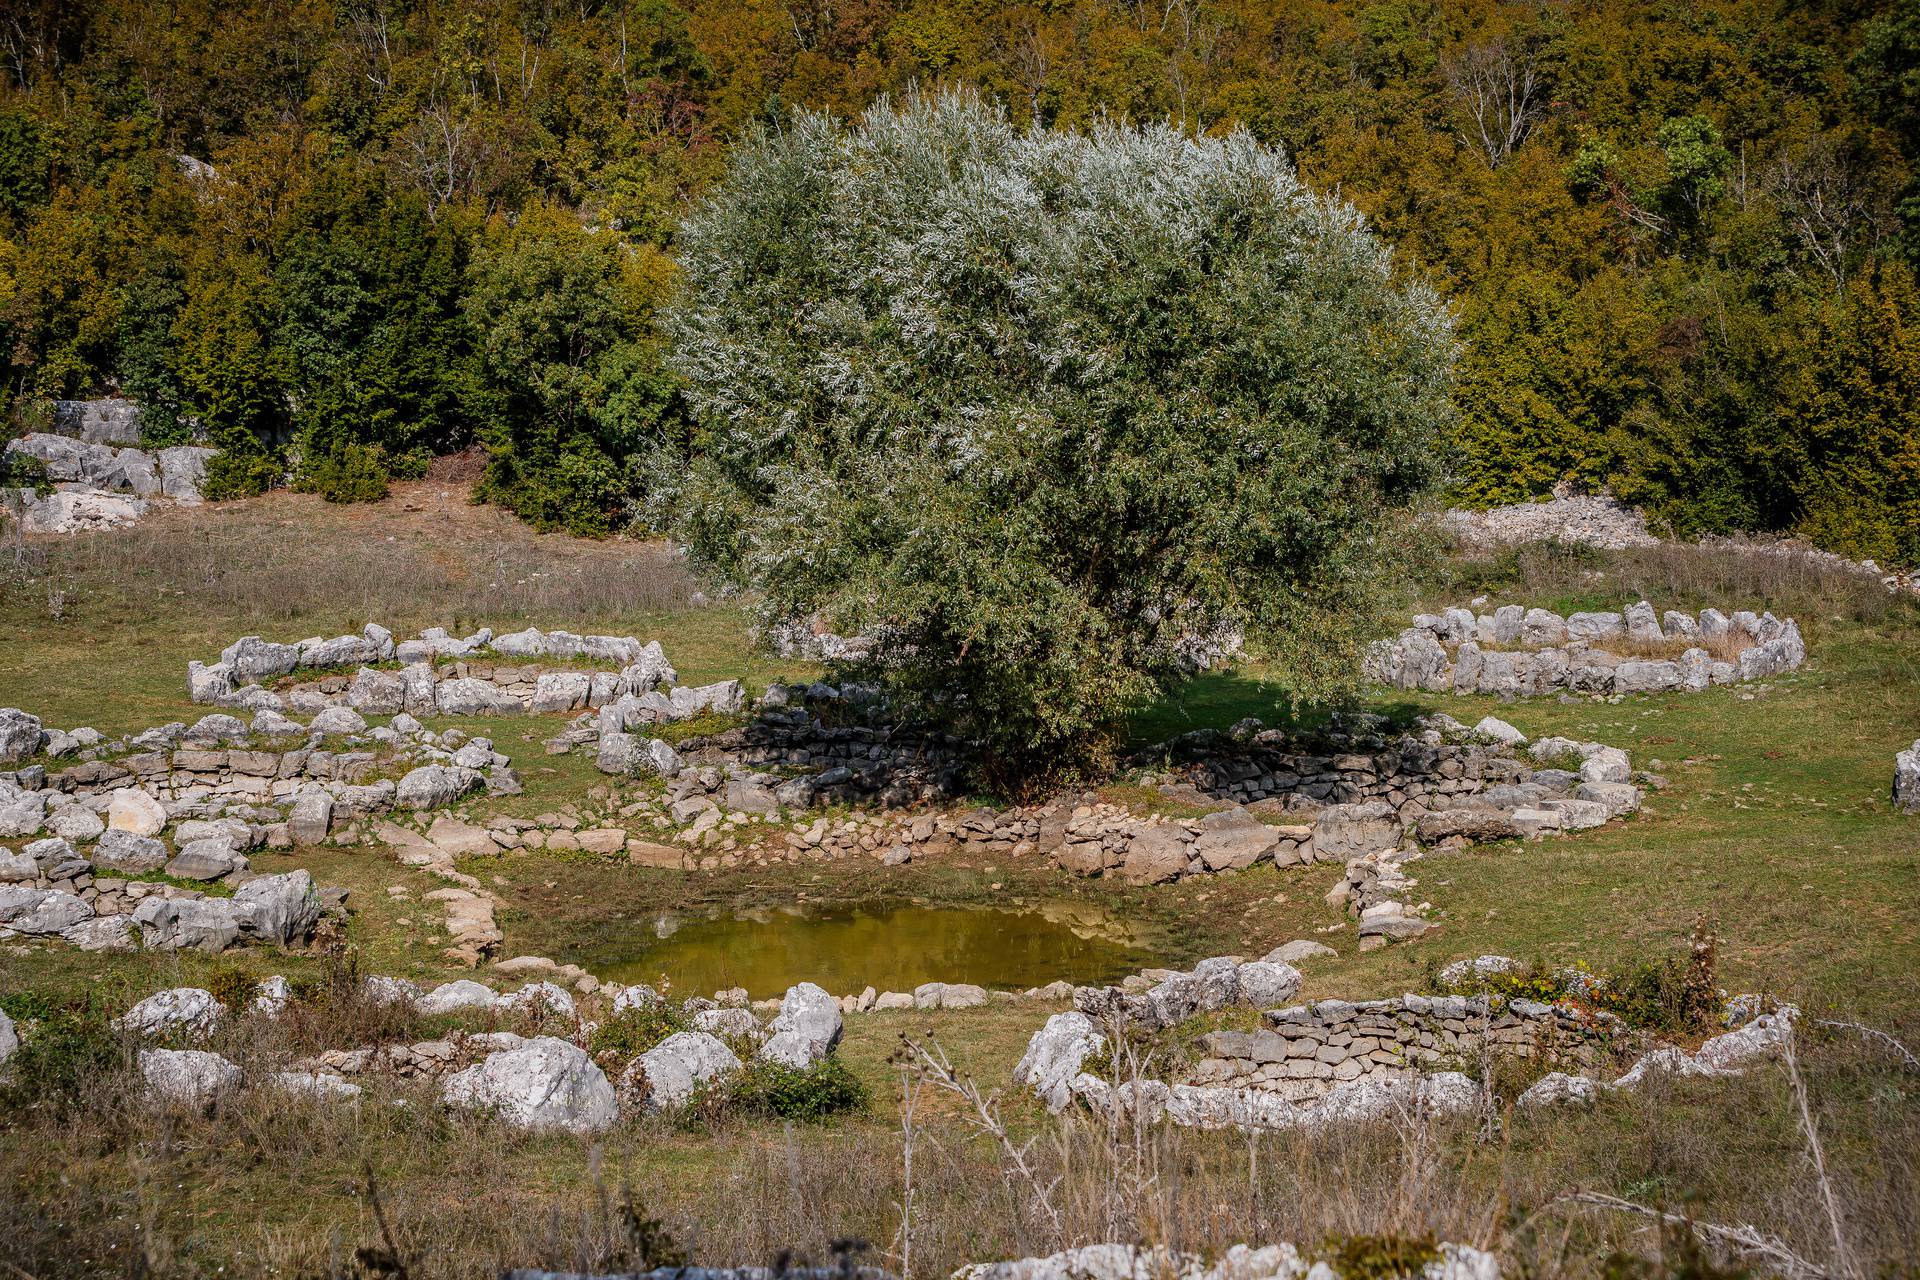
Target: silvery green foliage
{"type": "Point", "coordinates": [1042, 406]}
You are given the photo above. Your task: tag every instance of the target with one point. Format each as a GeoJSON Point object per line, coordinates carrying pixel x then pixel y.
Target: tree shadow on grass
{"type": "Point", "coordinates": [1221, 699]}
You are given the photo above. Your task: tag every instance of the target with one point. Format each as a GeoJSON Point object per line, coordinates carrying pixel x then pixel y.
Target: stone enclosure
{"type": "Point", "coordinates": [1519, 652]}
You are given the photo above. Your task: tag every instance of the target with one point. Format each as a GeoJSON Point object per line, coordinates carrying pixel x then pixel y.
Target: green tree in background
{"type": "Point", "coordinates": [1048, 410]}
{"type": "Point", "coordinates": [570, 384]}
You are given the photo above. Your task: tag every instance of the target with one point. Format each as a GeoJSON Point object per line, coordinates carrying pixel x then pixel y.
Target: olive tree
{"type": "Point", "coordinates": [1042, 411]}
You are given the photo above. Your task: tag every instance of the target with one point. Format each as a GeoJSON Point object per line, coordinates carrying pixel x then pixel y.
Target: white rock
{"type": "Point", "coordinates": [1557, 1088]}
{"type": "Point", "coordinates": [187, 1077]}
{"type": "Point", "coordinates": [322, 1086]}
{"type": "Point", "coordinates": [543, 1084]}
{"type": "Point", "coordinates": [1267, 984]}
{"type": "Point", "coordinates": [1054, 1056]}
{"type": "Point", "coordinates": [1495, 729]}
{"type": "Point", "coordinates": [807, 1028]}
{"type": "Point", "coordinates": [338, 720]}
{"type": "Point", "coordinates": [682, 1062]}
{"type": "Point", "coordinates": [132, 810]}
{"type": "Point", "coordinates": [271, 995]}
{"type": "Point", "coordinates": [1297, 950]}
{"type": "Point", "coordinates": [539, 997]}
{"type": "Point", "coordinates": [461, 993]}
{"type": "Point", "coordinates": [184, 1009]}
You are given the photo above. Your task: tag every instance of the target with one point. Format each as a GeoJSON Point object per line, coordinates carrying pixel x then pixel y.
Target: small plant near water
{"type": "Point", "coordinates": [631, 1032]}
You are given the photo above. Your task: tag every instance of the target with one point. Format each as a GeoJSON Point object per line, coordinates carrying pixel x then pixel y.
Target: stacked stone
{"type": "Point", "coordinates": [1519, 652]}
{"type": "Point", "coordinates": [442, 675]}
{"type": "Point", "coordinates": [1403, 771]}
{"type": "Point", "coordinates": [1308, 1049]}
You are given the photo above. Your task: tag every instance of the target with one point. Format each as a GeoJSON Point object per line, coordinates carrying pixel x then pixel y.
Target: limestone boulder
{"type": "Point", "coordinates": [1300, 949]}
{"type": "Point", "coordinates": [1267, 984]}
{"type": "Point", "coordinates": [181, 1011]}
{"type": "Point", "coordinates": [469, 697]}
{"type": "Point", "coordinates": [1054, 1057]}
{"type": "Point", "coordinates": [1558, 1089]}
{"type": "Point", "coordinates": [1233, 840]}
{"type": "Point", "coordinates": [281, 909]}
{"type": "Point", "coordinates": [102, 933]}
{"type": "Point", "coordinates": [806, 1029]}
{"type": "Point", "coordinates": [252, 660]}
{"type": "Point", "coordinates": [22, 812]}
{"type": "Point", "coordinates": [187, 1077]}
{"type": "Point", "coordinates": [544, 1084]}
{"type": "Point", "coordinates": [1906, 779]}
{"type": "Point", "coordinates": [20, 735]}
{"type": "Point", "coordinates": [41, 912]}
{"type": "Point", "coordinates": [461, 993]}
{"type": "Point", "coordinates": [434, 786]}
{"type": "Point", "coordinates": [207, 859]}
{"type": "Point", "coordinates": [377, 693]}
{"type": "Point", "coordinates": [135, 812]}
{"type": "Point", "coordinates": [668, 1074]}
{"type": "Point", "coordinates": [1155, 854]}
{"type": "Point", "coordinates": [1343, 832]}
{"type": "Point", "coordinates": [310, 817]}
{"type": "Point", "coordinates": [186, 924]}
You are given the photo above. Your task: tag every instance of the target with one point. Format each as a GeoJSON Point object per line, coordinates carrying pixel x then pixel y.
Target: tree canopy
{"type": "Point", "coordinates": [1046, 411]}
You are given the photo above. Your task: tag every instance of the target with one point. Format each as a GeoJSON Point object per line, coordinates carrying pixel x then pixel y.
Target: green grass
{"type": "Point", "coordinates": [1776, 824]}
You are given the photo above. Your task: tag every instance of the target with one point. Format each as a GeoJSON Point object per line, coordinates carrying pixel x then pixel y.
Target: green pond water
{"type": "Point", "coordinates": [890, 946]}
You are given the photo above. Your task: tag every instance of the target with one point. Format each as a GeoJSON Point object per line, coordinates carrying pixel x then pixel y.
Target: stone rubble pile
{"type": "Point", "coordinates": [49, 891]}
{"type": "Point", "coordinates": [1520, 652]}
{"type": "Point", "coordinates": [1240, 1262]}
{"type": "Point", "coordinates": [1590, 520]}
{"type": "Point", "coordinates": [541, 1081]}
{"type": "Point", "coordinates": [297, 781]}
{"type": "Point", "coordinates": [96, 486]}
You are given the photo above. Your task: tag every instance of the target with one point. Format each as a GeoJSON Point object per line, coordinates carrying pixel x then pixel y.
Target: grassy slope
{"type": "Point", "coordinates": [1776, 823]}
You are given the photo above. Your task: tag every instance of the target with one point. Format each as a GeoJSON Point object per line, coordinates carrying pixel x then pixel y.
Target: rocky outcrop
{"type": "Point", "coordinates": [1596, 520]}
{"type": "Point", "coordinates": [93, 484]}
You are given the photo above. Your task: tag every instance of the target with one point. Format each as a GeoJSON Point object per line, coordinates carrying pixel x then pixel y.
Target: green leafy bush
{"type": "Point", "coordinates": [24, 471]}
{"type": "Point", "coordinates": [1048, 410]}
{"type": "Point", "coordinates": [65, 1052]}
{"type": "Point", "coordinates": [240, 474]}
{"type": "Point", "coordinates": [351, 473]}
{"type": "Point", "coordinates": [777, 1091]}
{"type": "Point", "coordinates": [629, 1033]}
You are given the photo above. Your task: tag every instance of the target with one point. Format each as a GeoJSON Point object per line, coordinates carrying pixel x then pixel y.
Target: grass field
{"type": "Point", "coordinates": [1776, 824]}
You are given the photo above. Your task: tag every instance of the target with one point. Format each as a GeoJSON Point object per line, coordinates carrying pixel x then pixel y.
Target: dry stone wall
{"type": "Point", "coordinates": [1305, 1050]}
{"type": "Point", "coordinates": [1519, 652]}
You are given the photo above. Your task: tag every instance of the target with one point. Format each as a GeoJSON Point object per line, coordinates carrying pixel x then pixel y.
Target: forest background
{"type": "Point", "coordinates": [338, 239]}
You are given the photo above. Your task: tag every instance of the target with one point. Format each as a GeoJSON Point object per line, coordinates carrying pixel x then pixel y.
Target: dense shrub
{"type": "Point", "coordinates": [1046, 408]}
{"type": "Point", "coordinates": [626, 1035]}
{"type": "Point", "coordinates": [65, 1050]}
{"type": "Point", "coordinates": [774, 1090]}
{"type": "Point", "coordinates": [351, 473]}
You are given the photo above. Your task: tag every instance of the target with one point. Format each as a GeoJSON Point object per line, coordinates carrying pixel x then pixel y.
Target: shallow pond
{"type": "Point", "coordinates": [889, 945]}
